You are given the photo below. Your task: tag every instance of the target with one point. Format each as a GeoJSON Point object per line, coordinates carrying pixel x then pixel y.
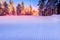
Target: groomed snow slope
{"type": "Point", "coordinates": [30, 28]}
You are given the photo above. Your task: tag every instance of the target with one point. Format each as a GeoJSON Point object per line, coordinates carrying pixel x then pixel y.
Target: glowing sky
{"type": "Point", "coordinates": [27, 2]}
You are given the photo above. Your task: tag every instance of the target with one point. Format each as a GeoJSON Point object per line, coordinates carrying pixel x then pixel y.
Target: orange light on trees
{"type": "Point", "coordinates": [35, 13]}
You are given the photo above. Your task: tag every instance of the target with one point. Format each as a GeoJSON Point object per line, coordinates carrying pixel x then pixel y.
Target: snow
{"type": "Point", "coordinates": [30, 27]}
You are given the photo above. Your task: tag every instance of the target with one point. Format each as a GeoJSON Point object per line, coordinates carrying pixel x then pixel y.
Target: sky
{"type": "Point", "coordinates": [27, 3]}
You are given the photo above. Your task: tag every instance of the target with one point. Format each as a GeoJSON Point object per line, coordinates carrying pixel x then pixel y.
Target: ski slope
{"type": "Point", "coordinates": [30, 27]}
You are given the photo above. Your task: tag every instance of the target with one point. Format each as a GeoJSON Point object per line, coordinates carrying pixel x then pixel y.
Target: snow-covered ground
{"type": "Point", "coordinates": [30, 27]}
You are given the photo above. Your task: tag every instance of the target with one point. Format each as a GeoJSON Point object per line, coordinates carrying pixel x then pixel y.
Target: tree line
{"type": "Point", "coordinates": [46, 8]}
{"type": "Point", "coordinates": [49, 7]}
{"type": "Point", "coordinates": [10, 9]}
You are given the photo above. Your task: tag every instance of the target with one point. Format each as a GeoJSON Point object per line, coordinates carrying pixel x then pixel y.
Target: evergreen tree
{"type": "Point", "coordinates": [0, 9]}
{"type": "Point", "coordinates": [18, 9]}
{"type": "Point", "coordinates": [22, 5]}
{"type": "Point", "coordinates": [5, 10]}
{"type": "Point", "coordinates": [41, 5]}
{"type": "Point", "coordinates": [30, 10]}
{"type": "Point", "coordinates": [58, 7]}
{"type": "Point", "coordinates": [22, 8]}
{"type": "Point", "coordinates": [52, 5]}
{"type": "Point", "coordinates": [12, 8]}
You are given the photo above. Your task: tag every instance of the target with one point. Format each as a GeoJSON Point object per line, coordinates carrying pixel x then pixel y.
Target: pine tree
{"type": "Point", "coordinates": [41, 5]}
{"type": "Point", "coordinates": [30, 10]}
{"type": "Point", "coordinates": [52, 5]}
{"type": "Point", "coordinates": [18, 9]}
{"type": "Point", "coordinates": [5, 10]}
{"type": "Point", "coordinates": [0, 9]}
{"type": "Point", "coordinates": [22, 8]}
{"type": "Point", "coordinates": [58, 8]}
{"type": "Point", "coordinates": [22, 5]}
{"type": "Point", "coordinates": [12, 8]}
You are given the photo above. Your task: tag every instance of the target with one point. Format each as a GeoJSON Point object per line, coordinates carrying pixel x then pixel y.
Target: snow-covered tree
{"type": "Point", "coordinates": [30, 10]}
{"type": "Point", "coordinates": [41, 5]}
{"type": "Point", "coordinates": [52, 5]}
{"type": "Point", "coordinates": [47, 7]}
{"type": "Point", "coordinates": [58, 6]}
{"type": "Point", "coordinates": [22, 8]}
{"type": "Point", "coordinates": [12, 8]}
{"type": "Point", "coordinates": [18, 9]}
{"type": "Point", "coordinates": [5, 10]}
{"type": "Point", "coordinates": [0, 9]}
